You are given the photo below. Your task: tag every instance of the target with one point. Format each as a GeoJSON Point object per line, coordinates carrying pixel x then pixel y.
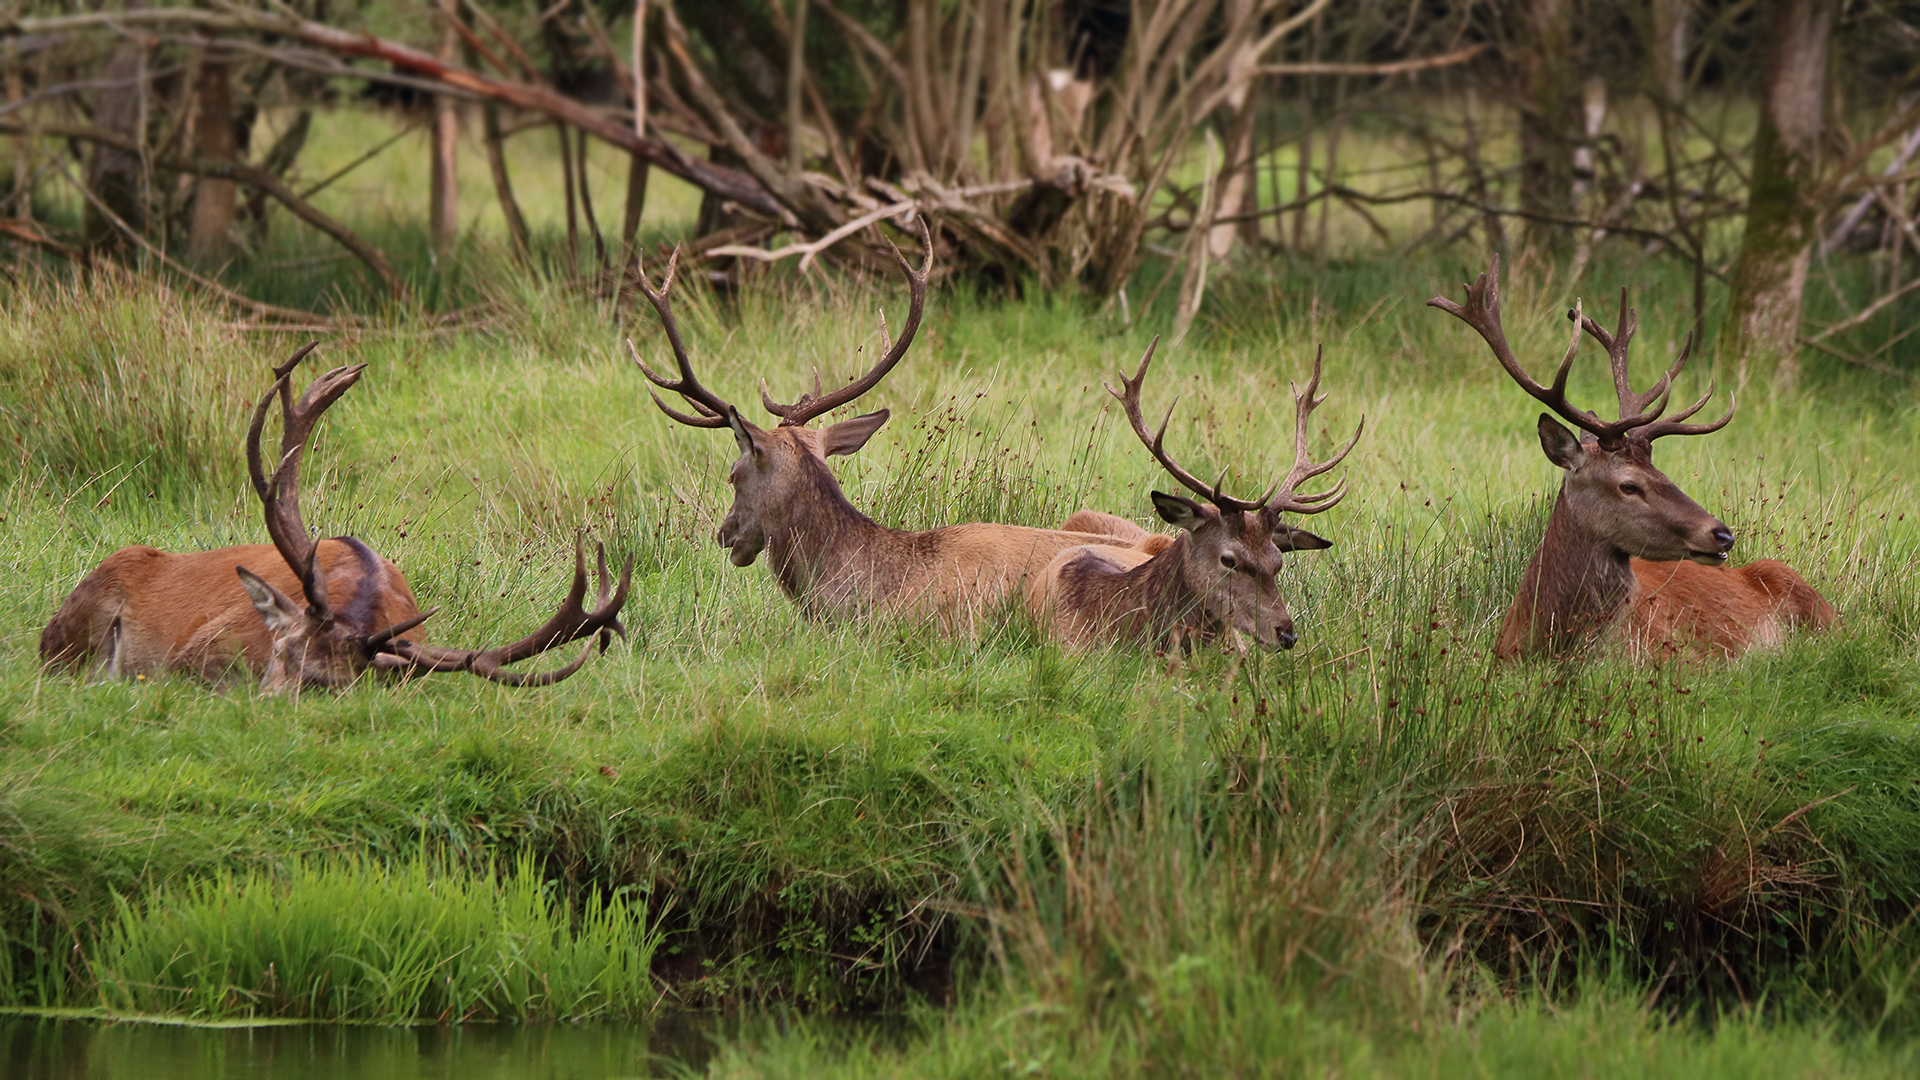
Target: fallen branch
{"type": "Point", "coordinates": [1396, 67]}
{"type": "Point", "coordinates": [24, 231]}
{"type": "Point", "coordinates": [809, 250]}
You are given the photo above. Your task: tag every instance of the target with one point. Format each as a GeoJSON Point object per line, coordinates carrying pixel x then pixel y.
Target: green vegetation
{"type": "Point", "coordinates": [1379, 852]}
{"type": "Point", "coordinates": [349, 940]}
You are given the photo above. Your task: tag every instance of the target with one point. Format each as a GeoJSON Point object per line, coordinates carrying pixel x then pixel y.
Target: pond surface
{"type": "Point", "coordinates": [41, 1048]}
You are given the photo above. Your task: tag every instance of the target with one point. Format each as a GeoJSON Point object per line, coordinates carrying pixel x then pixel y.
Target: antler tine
{"type": "Point", "coordinates": [1673, 425]}
{"type": "Point", "coordinates": [1482, 312]}
{"type": "Point", "coordinates": [1636, 409]}
{"type": "Point", "coordinates": [808, 406]}
{"type": "Point", "coordinates": [280, 494]}
{"type": "Point", "coordinates": [710, 409]}
{"type": "Point", "coordinates": [374, 642]}
{"type": "Point", "coordinates": [1282, 497]}
{"type": "Point", "coordinates": [1129, 399]}
{"type": "Point", "coordinates": [571, 622]}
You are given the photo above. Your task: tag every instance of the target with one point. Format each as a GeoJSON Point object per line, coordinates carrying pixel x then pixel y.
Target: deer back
{"type": "Point", "coordinates": [1685, 609]}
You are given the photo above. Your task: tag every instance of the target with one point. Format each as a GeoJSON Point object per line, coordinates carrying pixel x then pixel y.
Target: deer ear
{"type": "Point", "coordinates": [1179, 511]}
{"type": "Point", "coordinates": [848, 436]}
{"type": "Point", "coordinates": [743, 432]}
{"type": "Point", "coordinates": [1288, 538]}
{"type": "Point", "coordinates": [1562, 446]}
{"type": "Point", "coordinates": [278, 612]}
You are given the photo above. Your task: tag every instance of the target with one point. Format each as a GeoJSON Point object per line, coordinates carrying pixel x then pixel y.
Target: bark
{"type": "Point", "coordinates": [1549, 114]}
{"type": "Point", "coordinates": [503, 183]}
{"type": "Point", "coordinates": [22, 194]}
{"type": "Point", "coordinates": [637, 168]}
{"type": "Point", "coordinates": [1770, 275]}
{"type": "Point", "coordinates": [1668, 55]}
{"type": "Point", "coordinates": [636, 202]}
{"type": "Point", "coordinates": [443, 216]}
{"type": "Point", "coordinates": [213, 197]}
{"type": "Point", "coordinates": [796, 85]}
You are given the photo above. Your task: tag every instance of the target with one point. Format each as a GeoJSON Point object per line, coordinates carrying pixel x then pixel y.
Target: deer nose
{"type": "Point", "coordinates": [1286, 636]}
{"type": "Point", "coordinates": [1724, 537]}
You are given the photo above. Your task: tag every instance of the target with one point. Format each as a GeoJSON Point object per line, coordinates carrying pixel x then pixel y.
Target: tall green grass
{"type": "Point", "coordinates": [348, 939]}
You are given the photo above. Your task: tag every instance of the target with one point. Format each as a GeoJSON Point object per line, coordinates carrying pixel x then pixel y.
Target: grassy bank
{"type": "Point", "coordinates": [1379, 849]}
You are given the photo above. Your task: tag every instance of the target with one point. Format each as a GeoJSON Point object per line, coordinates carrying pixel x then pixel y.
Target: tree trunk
{"type": "Point", "coordinates": [1549, 115]}
{"type": "Point", "coordinates": [118, 176]}
{"type": "Point", "coordinates": [443, 216]}
{"type": "Point", "coordinates": [213, 199]}
{"type": "Point", "coordinates": [1763, 309]}
{"type": "Point", "coordinates": [22, 193]}
{"type": "Point", "coordinates": [1668, 54]}
{"type": "Point", "coordinates": [638, 168]}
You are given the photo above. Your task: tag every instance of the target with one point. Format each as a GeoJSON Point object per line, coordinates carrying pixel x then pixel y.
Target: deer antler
{"type": "Point", "coordinates": [808, 406]}
{"type": "Point", "coordinates": [1638, 411]}
{"type": "Point", "coordinates": [1303, 468]}
{"type": "Point", "coordinates": [1283, 498]}
{"type": "Point", "coordinates": [712, 410]}
{"type": "Point", "coordinates": [571, 622]}
{"type": "Point", "coordinates": [280, 495]}
{"type": "Point", "coordinates": [1632, 404]}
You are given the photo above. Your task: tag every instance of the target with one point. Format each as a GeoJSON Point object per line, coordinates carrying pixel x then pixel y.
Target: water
{"type": "Point", "coordinates": [40, 1048]}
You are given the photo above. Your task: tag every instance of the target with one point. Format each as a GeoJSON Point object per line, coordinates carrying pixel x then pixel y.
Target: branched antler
{"type": "Point", "coordinates": [809, 406]}
{"type": "Point", "coordinates": [1639, 412]}
{"type": "Point", "coordinates": [280, 495]}
{"type": "Point", "coordinates": [571, 622]}
{"type": "Point", "coordinates": [712, 410]}
{"type": "Point", "coordinates": [1303, 467]}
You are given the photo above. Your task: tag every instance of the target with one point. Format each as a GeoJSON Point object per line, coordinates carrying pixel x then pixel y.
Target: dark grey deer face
{"type": "Point", "coordinates": [1232, 563]}
{"type": "Point", "coordinates": [780, 474]}
{"type": "Point", "coordinates": [1619, 497]}
{"type": "Point", "coordinates": [307, 651]}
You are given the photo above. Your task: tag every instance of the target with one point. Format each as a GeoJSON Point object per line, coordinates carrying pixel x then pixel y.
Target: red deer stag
{"type": "Point", "coordinates": [1626, 548]}
{"type": "Point", "coordinates": [1219, 571]}
{"type": "Point", "coordinates": [827, 555]}
{"type": "Point", "coordinates": [209, 612]}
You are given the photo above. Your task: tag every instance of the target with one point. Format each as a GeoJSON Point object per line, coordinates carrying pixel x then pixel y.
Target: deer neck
{"type": "Point", "coordinates": [816, 539]}
{"type": "Point", "coordinates": [1153, 601]}
{"type": "Point", "coordinates": [1577, 583]}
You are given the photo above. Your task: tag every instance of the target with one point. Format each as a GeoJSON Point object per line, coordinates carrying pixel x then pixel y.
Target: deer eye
{"type": "Point", "coordinates": [1629, 489]}
{"type": "Point", "coordinates": [1229, 562]}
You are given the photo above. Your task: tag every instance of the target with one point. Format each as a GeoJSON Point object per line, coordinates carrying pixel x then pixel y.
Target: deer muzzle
{"type": "Point", "coordinates": [1721, 538]}
{"type": "Point", "coordinates": [743, 544]}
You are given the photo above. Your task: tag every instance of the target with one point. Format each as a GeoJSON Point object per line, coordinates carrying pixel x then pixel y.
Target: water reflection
{"type": "Point", "coordinates": [38, 1048]}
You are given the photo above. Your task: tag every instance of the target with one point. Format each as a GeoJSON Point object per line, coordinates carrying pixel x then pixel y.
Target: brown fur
{"type": "Point", "coordinates": [1646, 565]}
{"type": "Point", "coordinates": [188, 612]}
{"type": "Point", "coordinates": [1165, 591]}
{"type": "Point", "coordinates": [836, 561]}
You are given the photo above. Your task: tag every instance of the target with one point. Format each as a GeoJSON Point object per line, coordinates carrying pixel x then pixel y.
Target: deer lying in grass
{"type": "Point", "coordinates": [1220, 571]}
{"type": "Point", "coordinates": [1625, 548]}
{"type": "Point", "coordinates": [826, 554]}
{"type": "Point", "coordinates": [213, 612]}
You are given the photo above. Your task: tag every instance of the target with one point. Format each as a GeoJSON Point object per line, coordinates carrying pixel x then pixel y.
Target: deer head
{"type": "Point", "coordinates": [1231, 556]}
{"type": "Point", "coordinates": [316, 646]}
{"type": "Point", "coordinates": [1611, 491]}
{"type": "Point", "coordinates": [781, 471]}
